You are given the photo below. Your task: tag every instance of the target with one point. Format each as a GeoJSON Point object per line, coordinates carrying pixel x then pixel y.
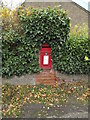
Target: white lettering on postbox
{"type": "Point", "coordinates": [46, 60]}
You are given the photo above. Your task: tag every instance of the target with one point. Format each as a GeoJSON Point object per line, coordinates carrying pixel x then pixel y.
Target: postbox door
{"type": "Point", "coordinates": [45, 60]}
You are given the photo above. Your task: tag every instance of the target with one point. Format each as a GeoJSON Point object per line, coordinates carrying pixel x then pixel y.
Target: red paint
{"type": "Point", "coordinates": [45, 51]}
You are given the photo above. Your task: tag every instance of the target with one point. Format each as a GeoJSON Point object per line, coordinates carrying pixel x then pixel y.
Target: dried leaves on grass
{"type": "Point", "coordinates": [14, 97]}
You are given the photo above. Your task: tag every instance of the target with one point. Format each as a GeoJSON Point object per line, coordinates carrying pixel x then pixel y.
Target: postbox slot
{"type": "Point", "coordinates": [45, 46]}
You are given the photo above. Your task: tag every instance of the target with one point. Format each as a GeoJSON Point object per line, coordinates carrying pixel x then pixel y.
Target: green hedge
{"type": "Point", "coordinates": [73, 56]}
{"type": "Point", "coordinates": [21, 46]}
{"type": "Point", "coordinates": [18, 57]}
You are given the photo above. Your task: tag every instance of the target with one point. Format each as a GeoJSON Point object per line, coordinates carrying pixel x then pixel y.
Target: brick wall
{"type": "Point", "coordinates": [46, 77]}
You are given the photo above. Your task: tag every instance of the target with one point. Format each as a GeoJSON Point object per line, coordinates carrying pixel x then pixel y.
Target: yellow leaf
{"type": "Point", "coordinates": [84, 95]}
{"type": "Point", "coordinates": [51, 104]}
{"type": "Point", "coordinates": [88, 89]}
{"type": "Point", "coordinates": [86, 58]}
{"type": "Point", "coordinates": [69, 91]}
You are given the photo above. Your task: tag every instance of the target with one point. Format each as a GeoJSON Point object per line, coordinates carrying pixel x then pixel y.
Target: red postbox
{"type": "Point", "coordinates": [45, 57]}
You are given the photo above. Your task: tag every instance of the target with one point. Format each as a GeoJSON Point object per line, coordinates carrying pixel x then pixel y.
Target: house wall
{"type": "Point", "coordinates": [77, 14]}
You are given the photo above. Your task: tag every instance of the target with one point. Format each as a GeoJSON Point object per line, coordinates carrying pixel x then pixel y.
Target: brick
{"type": "Point", "coordinates": [57, 79]}
{"type": "Point", "coordinates": [46, 77]}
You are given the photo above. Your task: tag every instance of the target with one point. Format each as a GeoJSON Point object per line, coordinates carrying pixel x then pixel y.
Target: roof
{"type": "Point", "coordinates": [83, 3]}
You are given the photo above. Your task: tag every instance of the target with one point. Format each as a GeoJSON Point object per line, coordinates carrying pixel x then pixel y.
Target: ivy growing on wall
{"type": "Point", "coordinates": [21, 45]}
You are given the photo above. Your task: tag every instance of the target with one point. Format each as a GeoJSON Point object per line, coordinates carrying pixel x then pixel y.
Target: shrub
{"type": "Point", "coordinates": [73, 59]}
{"type": "Point", "coordinates": [10, 19]}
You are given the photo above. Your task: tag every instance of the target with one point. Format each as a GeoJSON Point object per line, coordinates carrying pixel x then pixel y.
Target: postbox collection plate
{"type": "Point", "coordinates": [46, 60]}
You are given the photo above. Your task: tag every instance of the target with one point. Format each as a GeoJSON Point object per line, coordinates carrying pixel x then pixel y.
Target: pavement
{"type": "Point", "coordinates": [70, 110]}
{"type": "Point", "coordinates": [82, 114]}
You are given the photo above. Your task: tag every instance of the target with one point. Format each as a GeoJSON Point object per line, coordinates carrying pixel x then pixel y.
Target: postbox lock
{"type": "Point", "coordinates": [46, 53]}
